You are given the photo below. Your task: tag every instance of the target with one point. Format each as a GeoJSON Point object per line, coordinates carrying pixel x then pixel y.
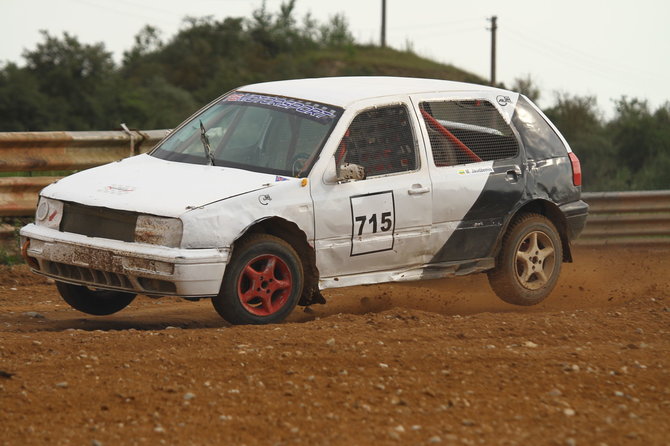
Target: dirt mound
{"type": "Point", "coordinates": [439, 362]}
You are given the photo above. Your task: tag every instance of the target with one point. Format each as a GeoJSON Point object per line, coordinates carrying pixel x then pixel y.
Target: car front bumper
{"type": "Point", "coordinates": [124, 266]}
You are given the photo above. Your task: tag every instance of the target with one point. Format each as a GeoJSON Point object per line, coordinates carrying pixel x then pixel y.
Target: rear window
{"type": "Point", "coordinates": [467, 131]}
{"type": "Point", "coordinates": [537, 136]}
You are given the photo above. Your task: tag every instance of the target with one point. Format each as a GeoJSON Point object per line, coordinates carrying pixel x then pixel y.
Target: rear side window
{"type": "Point", "coordinates": [467, 131]}
{"type": "Point", "coordinates": [381, 140]}
{"type": "Point", "coordinates": [539, 139]}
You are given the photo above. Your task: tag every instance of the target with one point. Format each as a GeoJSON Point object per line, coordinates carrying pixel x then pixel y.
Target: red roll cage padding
{"type": "Point", "coordinates": [342, 149]}
{"type": "Point", "coordinates": [450, 136]}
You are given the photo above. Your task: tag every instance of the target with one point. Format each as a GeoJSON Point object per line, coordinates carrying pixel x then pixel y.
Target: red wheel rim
{"type": "Point", "coordinates": [265, 285]}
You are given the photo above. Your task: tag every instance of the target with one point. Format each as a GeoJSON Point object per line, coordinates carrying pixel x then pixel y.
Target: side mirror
{"type": "Point", "coordinates": [350, 171]}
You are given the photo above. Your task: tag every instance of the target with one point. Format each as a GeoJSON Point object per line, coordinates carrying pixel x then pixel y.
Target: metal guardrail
{"type": "Point", "coordinates": [614, 217]}
{"type": "Point", "coordinates": [619, 218]}
{"type": "Point", "coordinates": [60, 151]}
{"type": "Point", "coordinates": [18, 195]}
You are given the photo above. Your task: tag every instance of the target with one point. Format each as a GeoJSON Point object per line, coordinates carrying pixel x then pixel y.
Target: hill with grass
{"type": "Point", "coordinates": [69, 85]}
{"type": "Point", "coordinates": [65, 84]}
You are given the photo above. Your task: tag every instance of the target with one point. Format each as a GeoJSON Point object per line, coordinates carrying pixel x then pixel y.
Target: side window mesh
{"type": "Point", "coordinates": [381, 140]}
{"type": "Point", "coordinates": [469, 131]}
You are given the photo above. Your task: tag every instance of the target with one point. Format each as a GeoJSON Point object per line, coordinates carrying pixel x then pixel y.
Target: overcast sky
{"type": "Point", "coordinates": [584, 47]}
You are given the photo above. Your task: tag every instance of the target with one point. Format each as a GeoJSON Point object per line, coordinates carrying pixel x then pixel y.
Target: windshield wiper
{"type": "Point", "coordinates": [205, 144]}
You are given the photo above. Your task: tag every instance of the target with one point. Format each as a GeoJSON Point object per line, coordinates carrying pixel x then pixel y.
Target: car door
{"type": "Point", "coordinates": [379, 223]}
{"type": "Point", "coordinates": [476, 168]}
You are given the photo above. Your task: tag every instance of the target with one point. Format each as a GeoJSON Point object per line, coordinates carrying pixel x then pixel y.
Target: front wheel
{"type": "Point", "coordinates": [95, 302]}
{"type": "Point", "coordinates": [529, 262]}
{"type": "Point", "coordinates": [262, 283]}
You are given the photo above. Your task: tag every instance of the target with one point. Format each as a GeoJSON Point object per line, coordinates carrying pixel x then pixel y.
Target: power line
{"type": "Point", "coordinates": [591, 58]}
{"type": "Point", "coordinates": [447, 31]}
{"type": "Point", "coordinates": [107, 6]}
{"type": "Point", "coordinates": [579, 59]}
{"type": "Point", "coordinates": [438, 24]}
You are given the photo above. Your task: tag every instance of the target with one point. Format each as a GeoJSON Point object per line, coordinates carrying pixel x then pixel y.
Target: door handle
{"type": "Point", "coordinates": [418, 189]}
{"type": "Point", "coordinates": [513, 175]}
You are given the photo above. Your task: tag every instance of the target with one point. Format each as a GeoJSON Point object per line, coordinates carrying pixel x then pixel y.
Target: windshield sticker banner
{"type": "Point", "coordinates": [319, 112]}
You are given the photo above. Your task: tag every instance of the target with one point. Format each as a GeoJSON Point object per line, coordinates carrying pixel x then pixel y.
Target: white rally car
{"type": "Point", "coordinates": [278, 190]}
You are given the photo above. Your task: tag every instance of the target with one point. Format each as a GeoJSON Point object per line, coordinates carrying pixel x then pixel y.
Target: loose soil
{"type": "Point", "coordinates": [436, 362]}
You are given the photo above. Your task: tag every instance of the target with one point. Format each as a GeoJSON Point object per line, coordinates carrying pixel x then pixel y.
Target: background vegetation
{"type": "Point", "coordinates": [68, 85]}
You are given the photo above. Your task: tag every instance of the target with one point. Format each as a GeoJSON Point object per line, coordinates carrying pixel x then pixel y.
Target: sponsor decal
{"type": "Point", "coordinates": [117, 189]}
{"type": "Point", "coordinates": [470, 171]}
{"type": "Point", "coordinates": [315, 111]}
{"type": "Point", "coordinates": [503, 100]}
{"type": "Point", "coordinates": [264, 199]}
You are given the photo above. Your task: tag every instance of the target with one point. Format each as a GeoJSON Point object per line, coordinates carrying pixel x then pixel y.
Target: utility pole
{"type": "Point", "coordinates": [383, 43]}
{"type": "Point", "coordinates": [494, 27]}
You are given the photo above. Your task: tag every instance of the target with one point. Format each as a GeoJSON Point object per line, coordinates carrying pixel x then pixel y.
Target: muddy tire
{"type": "Point", "coordinates": [529, 261]}
{"type": "Point", "coordinates": [262, 283]}
{"type": "Point", "coordinates": [95, 302]}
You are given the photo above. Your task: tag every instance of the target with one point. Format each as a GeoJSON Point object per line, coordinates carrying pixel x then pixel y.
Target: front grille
{"type": "Point", "coordinates": [88, 275]}
{"type": "Point", "coordinates": [98, 222]}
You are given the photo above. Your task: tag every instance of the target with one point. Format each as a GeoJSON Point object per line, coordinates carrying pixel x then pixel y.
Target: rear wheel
{"type": "Point", "coordinates": [529, 262]}
{"type": "Point", "coordinates": [262, 283]}
{"type": "Point", "coordinates": [95, 302]}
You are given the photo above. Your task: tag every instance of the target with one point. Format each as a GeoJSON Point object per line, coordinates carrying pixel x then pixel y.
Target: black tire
{"type": "Point", "coordinates": [95, 302]}
{"type": "Point", "coordinates": [262, 283]}
{"type": "Point", "coordinates": [529, 261]}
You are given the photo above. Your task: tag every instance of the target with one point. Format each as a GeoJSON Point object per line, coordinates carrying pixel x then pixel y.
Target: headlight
{"type": "Point", "coordinates": [49, 213]}
{"type": "Point", "coordinates": [158, 231]}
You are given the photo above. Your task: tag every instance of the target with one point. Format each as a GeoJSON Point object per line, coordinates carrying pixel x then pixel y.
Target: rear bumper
{"type": "Point", "coordinates": [575, 215]}
{"type": "Point", "coordinates": [117, 265]}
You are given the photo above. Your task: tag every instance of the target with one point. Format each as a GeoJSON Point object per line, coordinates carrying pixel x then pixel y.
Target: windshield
{"type": "Point", "coordinates": [256, 132]}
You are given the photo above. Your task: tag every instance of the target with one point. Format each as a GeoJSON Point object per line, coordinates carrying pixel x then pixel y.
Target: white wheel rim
{"type": "Point", "coordinates": [534, 260]}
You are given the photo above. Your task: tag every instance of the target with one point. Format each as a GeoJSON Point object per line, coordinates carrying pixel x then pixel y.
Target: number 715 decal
{"type": "Point", "coordinates": [372, 222]}
{"type": "Point", "coordinates": [386, 222]}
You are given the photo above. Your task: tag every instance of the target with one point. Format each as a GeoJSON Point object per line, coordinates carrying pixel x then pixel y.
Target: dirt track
{"type": "Point", "coordinates": [441, 362]}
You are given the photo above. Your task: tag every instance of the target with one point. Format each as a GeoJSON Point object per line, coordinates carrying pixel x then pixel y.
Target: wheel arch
{"type": "Point", "coordinates": [549, 210]}
{"type": "Point", "coordinates": [296, 237]}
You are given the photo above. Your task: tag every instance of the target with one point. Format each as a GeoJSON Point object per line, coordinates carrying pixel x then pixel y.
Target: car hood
{"type": "Point", "coordinates": [153, 186]}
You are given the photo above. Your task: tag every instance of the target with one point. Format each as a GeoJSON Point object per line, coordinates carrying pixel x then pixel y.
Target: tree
{"type": "Point", "coordinates": [581, 124]}
{"type": "Point", "coordinates": [526, 86]}
{"type": "Point", "coordinates": [22, 106]}
{"type": "Point", "coordinates": [69, 85]}
{"type": "Point", "coordinates": [642, 142]}
{"type": "Point", "coordinates": [336, 32]}
{"type": "Point", "coordinates": [156, 104]}
{"type": "Point", "coordinates": [78, 80]}
{"type": "Point", "coordinates": [147, 42]}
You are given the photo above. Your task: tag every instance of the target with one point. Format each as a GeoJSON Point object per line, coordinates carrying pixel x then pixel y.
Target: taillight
{"type": "Point", "coordinates": [576, 169]}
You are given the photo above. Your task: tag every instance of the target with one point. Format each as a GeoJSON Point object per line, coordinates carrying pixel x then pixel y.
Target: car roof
{"type": "Point", "coordinates": [342, 91]}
